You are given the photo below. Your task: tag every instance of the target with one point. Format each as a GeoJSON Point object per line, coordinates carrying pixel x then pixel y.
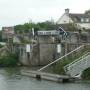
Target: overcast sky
{"type": "Point", "coordinates": [13, 12]}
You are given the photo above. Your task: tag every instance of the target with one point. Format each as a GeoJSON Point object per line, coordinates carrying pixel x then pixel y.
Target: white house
{"type": "Point", "coordinates": [80, 20]}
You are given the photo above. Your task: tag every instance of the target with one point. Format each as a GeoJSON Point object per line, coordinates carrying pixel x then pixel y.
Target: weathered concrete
{"type": "Point", "coordinates": [48, 76]}
{"type": "Point", "coordinates": [47, 52]}
{"type": "Point", "coordinates": [44, 49]}
{"type": "Point", "coordinates": [41, 54]}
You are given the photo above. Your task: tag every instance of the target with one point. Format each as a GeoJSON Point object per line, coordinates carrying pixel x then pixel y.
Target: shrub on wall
{"type": "Point", "coordinates": [1, 46]}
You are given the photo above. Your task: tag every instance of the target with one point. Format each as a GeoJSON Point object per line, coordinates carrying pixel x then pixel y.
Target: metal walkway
{"type": "Point", "coordinates": [76, 68]}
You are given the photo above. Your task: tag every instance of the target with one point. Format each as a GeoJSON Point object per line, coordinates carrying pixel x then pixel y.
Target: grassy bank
{"type": "Point", "coordinates": [9, 60]}
{"type": "Point", "coordinates": [58, 68]}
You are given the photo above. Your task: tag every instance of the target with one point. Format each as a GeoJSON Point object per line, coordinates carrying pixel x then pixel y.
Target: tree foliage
{"type": "Point", "coordinates": [26, 27]}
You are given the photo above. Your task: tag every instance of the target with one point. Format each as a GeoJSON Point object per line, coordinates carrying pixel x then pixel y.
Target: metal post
{"type": "Point", "coordinates": [38, 51]}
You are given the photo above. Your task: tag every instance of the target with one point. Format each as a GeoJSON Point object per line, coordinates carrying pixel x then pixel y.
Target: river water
{"type": "Point", "coordinates": [11, 79]}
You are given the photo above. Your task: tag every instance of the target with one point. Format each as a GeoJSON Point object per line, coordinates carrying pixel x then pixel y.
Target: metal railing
{"type": "Point", "coordinates": [76, 67]}
{"type": "Point", "coordinates": [61, 58]}
{"type": "Point", "coordinates": [65, 67]}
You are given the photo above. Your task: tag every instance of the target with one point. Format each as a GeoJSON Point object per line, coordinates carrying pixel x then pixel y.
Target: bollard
{"type": "Point", "coordinates": [38, 77]}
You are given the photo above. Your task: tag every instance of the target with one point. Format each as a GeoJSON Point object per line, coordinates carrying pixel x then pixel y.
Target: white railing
{"type": "Point", "coordinates": [75, 68]}
{"type": "Point", "coordinates": [61, 58]}
{"type": "Point", "coordinates": [86, 54]}
{"type": "Point", "coordinates": [51, 32]}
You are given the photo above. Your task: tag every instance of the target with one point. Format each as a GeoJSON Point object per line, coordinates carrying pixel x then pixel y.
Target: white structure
{"type": "Point", "coordinates": [80, 20]}
{"type": "Point", "coordinates": [51, 32]}
{"type": "Point", "coordinates": [28, 48]}
{"type": "Point", "coordinates": [76, 68]}
{"type": "Point", "coordinates": [59, 48]}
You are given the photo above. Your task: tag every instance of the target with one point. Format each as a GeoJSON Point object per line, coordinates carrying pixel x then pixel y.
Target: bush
{"type": "Point", "coordinates": [9, 60]}
{"type": "Point", "coordinates": [1, 46]}
{"type": "Point", "coordinates": [86, 74]}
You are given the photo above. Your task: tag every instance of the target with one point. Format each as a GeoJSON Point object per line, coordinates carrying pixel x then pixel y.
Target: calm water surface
{"type": "Point", "coordinates": [10, 79]}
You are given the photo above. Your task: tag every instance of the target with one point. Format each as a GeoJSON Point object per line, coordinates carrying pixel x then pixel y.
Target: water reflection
{"type": "Point", "coordinates": [11, 79]}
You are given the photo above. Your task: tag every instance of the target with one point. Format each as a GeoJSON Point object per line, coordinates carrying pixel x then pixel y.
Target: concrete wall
{"type": "Point", "coordinates": [45, 50]}
{"type": "Point", "coordinates": [47, 53]}
{"type": "Point", "coordinates": [41, 54]}
{"type": "Point", "coordinates": [46, 39]}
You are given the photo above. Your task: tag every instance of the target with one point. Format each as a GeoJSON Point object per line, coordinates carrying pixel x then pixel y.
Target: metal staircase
{"type": "Point", "coordinates": [75, 68]}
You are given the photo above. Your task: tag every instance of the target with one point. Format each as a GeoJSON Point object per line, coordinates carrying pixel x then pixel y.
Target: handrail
{"type": "Point", "coordinates": [60, 58]}
{"type": "Point", "coordinates": [76, 60]}
{"type": "Point", "coordinates": [77, 68]}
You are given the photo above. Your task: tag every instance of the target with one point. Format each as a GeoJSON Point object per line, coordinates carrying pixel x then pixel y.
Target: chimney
{"type": "Point", "coordinates": [67, 11]}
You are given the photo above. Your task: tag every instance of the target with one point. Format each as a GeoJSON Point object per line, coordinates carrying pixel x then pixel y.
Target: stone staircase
{"type": "Point", "coordinates": [76, 68]}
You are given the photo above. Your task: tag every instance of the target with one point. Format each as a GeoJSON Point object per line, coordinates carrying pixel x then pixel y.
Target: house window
{"type": "Point", "coordinates": [87, 19]}
{"type": "Point", "coordinates": [82, 19]}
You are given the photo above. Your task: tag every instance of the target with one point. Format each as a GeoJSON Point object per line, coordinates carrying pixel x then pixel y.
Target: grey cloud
{"type": "Point", "coordinates": [19, 11]}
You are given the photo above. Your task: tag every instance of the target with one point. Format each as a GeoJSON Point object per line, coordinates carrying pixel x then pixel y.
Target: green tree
{"type": "Point", "coordinates": [9, 60]}
{"type": "Point", "coordinates": [47, 25]}
{"type": "Point", "coordinates": [26, 27]}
